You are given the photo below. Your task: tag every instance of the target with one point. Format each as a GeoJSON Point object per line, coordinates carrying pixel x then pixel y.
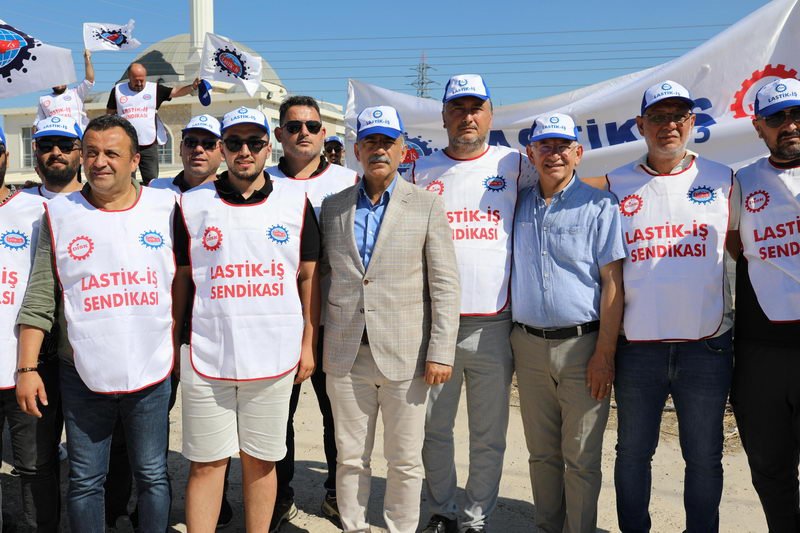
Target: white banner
{"type": "Point", "coordinates": [103, 36]}
{"type": "Point", "coordinates": [27, 64]}
{"type": "Point", "coordinates": [723, 75]}
{"type": "Point", "coordinates": [222, 60]}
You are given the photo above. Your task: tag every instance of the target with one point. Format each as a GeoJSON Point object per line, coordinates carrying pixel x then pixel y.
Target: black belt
{"type": "Point", "coordinates": [562, 333]}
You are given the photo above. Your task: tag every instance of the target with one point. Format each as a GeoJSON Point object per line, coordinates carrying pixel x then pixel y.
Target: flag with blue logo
{"type": "Point", "coordinates": [27, 64]}
{"type": "Point", "coordinates": [102, 36]}
{"type": "Point", "coordinates": [224, 60]}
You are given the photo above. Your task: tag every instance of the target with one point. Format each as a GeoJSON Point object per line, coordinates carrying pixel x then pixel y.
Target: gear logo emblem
{"type": "Point", "coordinates": [436, 186]}
{"type": "Point", "coordinates": [15, 51]}
{"type": "Point", "coordinates": [231, 62]}
{"type": "Point", "coordinates": [742, 105]}
{"type": "Point", "coordinates": [756, 201]}
{"type": "Point", "coordinates": [278, 234]}
{"type": "Point", "coordinates": [495, 183]}
{"type": "Point", "coordinates": [80, 248]}
{"type": "Point", "coordinates": [212, 238]}
{"type": "Point", "coordinates": [630, 205]}
{"type": "Point", "coordinates": [151, 239]}
{"type": "Point", "coordinates": [14, 240]}
{"type": "Point", "coordinates": [701, 195]}
{"type": "Point", "coordinates": [416, 148]}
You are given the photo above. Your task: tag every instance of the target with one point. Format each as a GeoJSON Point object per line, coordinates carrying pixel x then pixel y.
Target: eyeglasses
{"type": "Point", "coordinates": [234, 144]}
{"type": "Point", "coordinates": [778, 119]}
{"type": "Point", "coordinates": [333, 149]}
{"type": "Point", "coordinates": [208, 144]}
{"type": "Point", "coordinates": [294, 126]}
{"type": "Point", "coordinates": [560, 149]}
{"type": "Point", "coordinates": [666, 118]}
{"type": "Point", "coordinates": [64, 145]}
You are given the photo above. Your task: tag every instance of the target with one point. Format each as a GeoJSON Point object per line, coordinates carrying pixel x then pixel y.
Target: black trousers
{"type": "Point", "coordinates": [34, 442]}
{"type": "Point", "coordinates": [148, 164]}
{"type": "Point", "coordinates": [766, 402]}
{"type": "Point", "coordinates": [285, 467]}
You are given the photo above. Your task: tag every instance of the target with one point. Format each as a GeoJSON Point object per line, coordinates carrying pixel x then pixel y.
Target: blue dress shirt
{"type": "Point", "coordinates": [558, 252]}
{"type": "Point", "coordinates": [368, 220]}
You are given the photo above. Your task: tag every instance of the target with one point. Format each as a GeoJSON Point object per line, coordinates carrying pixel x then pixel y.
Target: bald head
{"type": "Point", "coordinates": [137, 76]}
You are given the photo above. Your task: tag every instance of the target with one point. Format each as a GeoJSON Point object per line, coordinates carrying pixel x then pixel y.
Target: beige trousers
{"type": "Point", "coordinates": [563, 429]}
{"type": "Point", "coordinates": [356, 400]}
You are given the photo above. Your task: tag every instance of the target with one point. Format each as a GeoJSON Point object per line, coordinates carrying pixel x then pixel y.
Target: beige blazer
{"type": "Point", "coordinates": [409, 297]}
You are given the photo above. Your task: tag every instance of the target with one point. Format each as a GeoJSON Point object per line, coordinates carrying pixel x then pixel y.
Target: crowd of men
{"type": "Point", "coordinates": [393, 296]}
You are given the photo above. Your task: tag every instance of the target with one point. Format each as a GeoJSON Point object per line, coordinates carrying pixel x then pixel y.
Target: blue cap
{"type": "Point", "coordinates": [777, 96]}
{"type": "Point", "coordinates": [466, 85]}
{"type": "Point", "coordinates": [664, 90]}
{"type": "Point", "coordinates": [382, 119]}
{"type": "Point", "coordinates": [204, 122]}
{"type": "Point", "coordinates": [553, 126]}
{"type": "Point", "coordinates": [333, 139]}
{"type": "Point", "coordinates": [2, 137]}
{"type": "Point", "coordinates": [245, 115]}
{"type": "Point", "coordinates": [58, 126]}
{"type": "Point", "coordinates": [204, 92]}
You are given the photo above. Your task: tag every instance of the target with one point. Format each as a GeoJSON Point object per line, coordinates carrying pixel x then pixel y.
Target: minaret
{"type": "Point", "coordinates": [201, 20]}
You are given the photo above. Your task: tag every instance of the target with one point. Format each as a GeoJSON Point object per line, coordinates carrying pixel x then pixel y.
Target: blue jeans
{"type": "Point", "coordinates": [89, 418]}
{"type": "Point", "coordinates": [698, 376]}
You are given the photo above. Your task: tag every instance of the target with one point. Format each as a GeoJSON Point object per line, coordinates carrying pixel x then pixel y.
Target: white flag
{"type": "Point", "coordinates": [224, 61]}
{"type": "Point", "coordinates": [114, 37]}
{"type": "Point", "coordinates": [27, 64]}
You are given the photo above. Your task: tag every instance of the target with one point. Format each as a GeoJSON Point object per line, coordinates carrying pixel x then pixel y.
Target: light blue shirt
{"type": "Point", "coordinates": [558, 252]}
{"type": "Point", "coordinates": [368, 220]}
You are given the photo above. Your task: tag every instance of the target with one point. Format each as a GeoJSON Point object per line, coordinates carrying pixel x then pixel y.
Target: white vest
{"type": "Point", "coordinates": [770, 230]}
{"type": "Point", "coordinates": [66, 104]}
{"type": "Point", "coordinates": [116, 270]}
{"type": "Point", "coordinates": [674, 229]}
{"type": "Point", "coordinates": [19, 231]}
{"type": "Point", "coordinates": [165, 184]}
{"type": "Point", "coordinates": [247, 320]}
{"type": "Point", "coordinates": [330, 181]}
{"type": "Point", "coordinates": [139, 108]}
{"type": "Point", "coordinates": [480, 196]}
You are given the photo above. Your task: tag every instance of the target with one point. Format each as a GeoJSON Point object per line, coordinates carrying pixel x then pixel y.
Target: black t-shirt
{"type": "Point", "coordinates": [162, 95]}
{"type": "Point", "coordinates": [284, 167]}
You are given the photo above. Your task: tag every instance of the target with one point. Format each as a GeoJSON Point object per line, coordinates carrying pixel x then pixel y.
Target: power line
{"type": "Point", "coordinates": [423, 82]}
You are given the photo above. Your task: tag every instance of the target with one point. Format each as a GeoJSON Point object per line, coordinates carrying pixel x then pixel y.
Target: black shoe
{"type": "Point", "coordinates": [284, 511]}
{"type": "Point", "coordinates": [330, 509]}
{"type": "Point", "coordinates": [441, 524]}
{"type": "Point", "coordinates": [479, 529]}
{"type": "Point", "coordinates": [225, 514]}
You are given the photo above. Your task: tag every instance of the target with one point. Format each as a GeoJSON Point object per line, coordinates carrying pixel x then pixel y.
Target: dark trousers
{"type": "Point", "coordinates": [34, 442]}
{"type": "Point", "coordinates": [285, 467]}
{"type": "Point", "coordinates": [766, 402]}
{"type": "Point", "coordinates": [148, 164]}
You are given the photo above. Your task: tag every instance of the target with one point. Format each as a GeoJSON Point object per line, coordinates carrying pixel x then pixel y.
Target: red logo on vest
{"type": "Point", "coordinates": [436, 186]}
{"type": "Point", "coordinates": [80, 247]}
{"type": "Point", "coordinates": [212, 238]}
{"type": "Point", "coordinates": [756, 201]}
{"type": "Point", "coordinates": [630, 205]}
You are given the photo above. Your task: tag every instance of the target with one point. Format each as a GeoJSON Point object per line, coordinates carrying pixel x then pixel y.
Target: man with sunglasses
{"type": "Point", "coordinates": [254, 247]}
{"type": "Point", "coordinates": [676, 212]}
{"type": "Point", "coordinates": [201, 155]}
{"type": "Point", "coordinates": [765, 393]}
{"type": "Point", "coordinates": [334, 150]}
{"type": "Point", "coordinates": [302, 167]}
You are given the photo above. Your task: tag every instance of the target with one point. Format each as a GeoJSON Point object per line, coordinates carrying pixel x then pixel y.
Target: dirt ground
{"type": "Point", "coordinates": [740, 510]}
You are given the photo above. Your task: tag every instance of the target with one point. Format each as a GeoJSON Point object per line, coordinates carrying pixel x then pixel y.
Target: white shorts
{"type": "Point", "coordinates": [221, 417]}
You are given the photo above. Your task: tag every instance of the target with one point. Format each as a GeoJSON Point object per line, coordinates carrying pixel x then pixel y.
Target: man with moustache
{"type": "Point", "coordinates": [106, 253]}
{"type": "Point", "coordinates": [254, 248]}
{"type": "Point", "coordinates": [676, 211]}
{"type": "Point", "coordinates": [389, 336]}
{"type": "Point", "coordinates": [479, 186]}
{"type": "Point", "coordinates": [765, 393]}
{"type": "Point", "coordinates": [302, 167]}
{"type": "Point", "coordinates": [66, 102]}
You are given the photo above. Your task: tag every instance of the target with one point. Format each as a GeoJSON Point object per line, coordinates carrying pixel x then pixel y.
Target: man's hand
{"type": "Point", "coordinates": [29, 387]}
{"type": "Point", "coordinates": [306, 366]}
{"type": "Point", "coordinates": [195, 84]}
{"type": "Point", "coordinates": [437, 373]}
{"type": "Point", "coordinates": [87, 54]}
{"type": "Point", "coordinates": [600, 374]}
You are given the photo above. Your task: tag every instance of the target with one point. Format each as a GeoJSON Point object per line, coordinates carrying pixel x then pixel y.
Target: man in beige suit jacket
{"type": "Point", "coordinates": [392, 320]}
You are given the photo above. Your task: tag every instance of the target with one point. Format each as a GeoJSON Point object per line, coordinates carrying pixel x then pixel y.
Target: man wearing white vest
{"type": "Point", "coordinates": [676, 211]}
{"type": "Point", "coordinates": [66, 102]}
{"type": "Point", "coordinates": [302, 167]}
{"type": "Point", "coordinates": [138, 100]}
{"type": "Point", "coordinates": [478, 184]}
{"type": "Point", "coordinates": [766, 393]}
{"type": "Point", "coordinates": [106, 253]}
{"type": "Point", "coordinates": [254, 246]}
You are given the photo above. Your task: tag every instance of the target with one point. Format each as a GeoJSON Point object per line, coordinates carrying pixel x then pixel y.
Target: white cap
{"type": "Point", "coordinates": [58, 126]}
{"type": "Point", "coordinates": [382, 119]}
{"type": "Point", "coordinates": [204, 122]}
{"type": "Point", "coordinates": [776, 96]}
{"type": "Point", "coordinates": [466, 85]}
{"type": "Point", "coordinates": [553, 126]}
{"type": "Point", "coordinates": [245, 115]}
{"type": "Point", "coordinates": [662, 91]}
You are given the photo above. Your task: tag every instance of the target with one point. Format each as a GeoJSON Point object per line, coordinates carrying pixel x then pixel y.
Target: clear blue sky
{"type": "Point", "coordinates": [524, 49]}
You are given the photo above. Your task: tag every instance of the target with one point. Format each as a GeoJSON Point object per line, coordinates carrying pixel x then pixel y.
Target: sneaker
{"type": "Point", "coordinates": [284, 511]}
{"type": "Point", "coordinates": [225, 514]}
{"type": "Point", "coordinates": [441, 524]}
{"type": "Point", "coordinates": [330, 509]}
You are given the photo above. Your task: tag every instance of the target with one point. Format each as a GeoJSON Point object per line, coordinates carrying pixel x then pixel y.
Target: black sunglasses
{"type": "Point", "coordinates": [334, 149]}
{"type": "Point", "coordinates": [2, 149]}
{"type": "Point", "coordinates": [234, 144]}
{"type": "Point", "coordinates": [778, 119]}
{"type": "Point", "coordinates": [208, 144]}
{"type": "Point", "coordinates": [665, 118]}
{"type": "Point", "coordinates": [294, 126]}
{"type": "Point", "coordinates": [64, 145]}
